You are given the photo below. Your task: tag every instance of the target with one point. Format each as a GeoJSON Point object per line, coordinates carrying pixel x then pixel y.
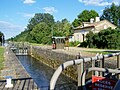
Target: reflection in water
{"type": "Point", "coordinates": [42, 74]}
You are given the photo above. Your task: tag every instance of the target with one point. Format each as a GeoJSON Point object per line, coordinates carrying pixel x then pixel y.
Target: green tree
{"type": "Point", "coordinates": [41, 33]}
{"type": "Point", "coordinates": [1, 37]}
{"type": "Point", "coordinates": [42, 27]}
{"type": "Point", "coordinates": [84, 16]}
{"type": "Point", "coordinates": [40, 17]}
{"type": "Point", "coordinates": [112, 14]}
{"type": "Point", "coordinates": [89, 39]}
{"type": "Point", "coordinates": [108, 38]}
{"type": "Point", "coordinates": [62, 28]}
{"type": "Point", "coordinates": [67, 28]}
{"type": "Point", "coordinates": [76, 23]}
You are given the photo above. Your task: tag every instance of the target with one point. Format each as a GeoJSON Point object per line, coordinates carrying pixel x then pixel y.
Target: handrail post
{"type": "Point", "coordinates": [102, 66]}
{"type": "Point", "coordinates": [80, 69]}
{"type": "Point", "coordinates": [93, 65]}
{"type": "Point", "coordinates": [96, 73]}
{"type": "Point", "coordinates": [118, 64]}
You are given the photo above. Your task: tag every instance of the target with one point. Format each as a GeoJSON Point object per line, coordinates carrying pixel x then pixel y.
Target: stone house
{"type": "Point", "coordinates": [81, 31]}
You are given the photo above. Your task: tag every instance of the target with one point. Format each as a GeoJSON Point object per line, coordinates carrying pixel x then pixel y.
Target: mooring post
{"type": "Point", "coordinates": [80, 69]}
{"type": "Point", "coordinates": [118, 64]}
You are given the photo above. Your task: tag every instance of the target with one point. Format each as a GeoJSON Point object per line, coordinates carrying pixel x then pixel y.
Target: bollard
{"type": "Point", "coordinates": [8, 82]}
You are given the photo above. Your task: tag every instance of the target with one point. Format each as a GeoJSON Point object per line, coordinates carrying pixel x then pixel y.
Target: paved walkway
{"type": "Point", "coordinates": [12, 66]}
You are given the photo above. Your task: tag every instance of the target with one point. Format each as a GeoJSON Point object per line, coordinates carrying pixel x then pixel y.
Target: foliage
{"type": "Point", "coordinates": [62, 28]}
{"type": "Point", "coordinates": [40, 17]}
{"type": "Point", "coordinates": [40, 33]}
{"type": "Point", "coordinates": [75, 43]}
{"type": "Point", "coordinates": [108, 38]}
{"type": "Point", "coordinates": [1, 57]}
{"type": "Point", "coordinates": [103, 52]}
{"type": "Point", "coordinates": [1, 35]}
{"type": "Point", "coordinates": [85, 16]}
{"type": "Point", "coordinates": [112, 14]}
{"type": "Point", "coordinates": [42, 27]}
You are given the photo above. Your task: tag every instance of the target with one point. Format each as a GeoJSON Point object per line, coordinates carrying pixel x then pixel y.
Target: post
{"type": "Point", "coordinates": [96, 73]}
{"type": "Point", "coordinates": [80, 69]}
{"type": "Point", "coordinates": [118, 64]}
{"type": "Point", "coordinates": [102, 65]}
{"type": "Point", "coordinates": [93, 65]}
{"type": "Point", "coordinates": [8, 82]}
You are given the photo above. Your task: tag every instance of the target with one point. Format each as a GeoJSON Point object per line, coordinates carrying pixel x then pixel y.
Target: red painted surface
{"type": "Point", "coordinates": [102, 83]}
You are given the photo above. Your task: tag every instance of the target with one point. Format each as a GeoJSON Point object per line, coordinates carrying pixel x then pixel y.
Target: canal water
{"type": "Point", "coordinates": [42, 74]}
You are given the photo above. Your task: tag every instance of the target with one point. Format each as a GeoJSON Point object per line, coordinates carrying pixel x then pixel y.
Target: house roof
{"type": "Point", "coordinates": [93, 25]}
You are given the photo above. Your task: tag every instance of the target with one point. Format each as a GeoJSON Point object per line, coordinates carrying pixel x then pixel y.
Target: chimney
{"type": "Point", "coordinates": [97, 19]}
{"type": "Point", "coordinates": [91, 20]}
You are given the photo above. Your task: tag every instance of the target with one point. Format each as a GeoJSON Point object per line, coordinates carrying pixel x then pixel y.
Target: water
{"type": "Point", "coordinates": [42, 74]}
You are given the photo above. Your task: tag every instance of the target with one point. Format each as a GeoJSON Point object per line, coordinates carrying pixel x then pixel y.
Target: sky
{"type": "Point", "coordinates": [15, 14]}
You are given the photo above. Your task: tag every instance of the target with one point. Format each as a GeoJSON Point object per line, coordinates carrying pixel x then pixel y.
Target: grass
{"type": "Point", "coordinates": [1, 57]}
{"type": "Point", "coordinates": [35, 44]}
{"type": "Point", "coordinates": [98, 52]}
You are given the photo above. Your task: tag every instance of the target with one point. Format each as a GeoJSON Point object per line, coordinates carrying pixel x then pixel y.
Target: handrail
{"type": "Point", "coordinates": [97, 69]}
{"type": "Point", "coordinates": [75, 62]}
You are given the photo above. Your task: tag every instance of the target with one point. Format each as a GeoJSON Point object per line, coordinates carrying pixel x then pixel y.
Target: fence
{"type": "Point", "coordinates": [81, 63]}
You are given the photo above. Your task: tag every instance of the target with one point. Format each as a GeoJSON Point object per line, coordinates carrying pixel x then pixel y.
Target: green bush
{"type": "Point", "coordinates": [105, 39]}
{"type": "Point", "coordinates": [83, 44]}
{"type": "Point", "coordinates": [75, 43]}
{"type": "Point", "coordinates": [1, 57]}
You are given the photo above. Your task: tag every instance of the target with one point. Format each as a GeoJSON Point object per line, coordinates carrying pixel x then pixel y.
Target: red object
{"type": "Point", "coordinates": [54, 45]}
{"type": "Point", "coordinates": [102, 83]}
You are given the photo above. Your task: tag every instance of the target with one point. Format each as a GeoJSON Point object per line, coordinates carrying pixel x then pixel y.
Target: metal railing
{"type": "Point", "coordinates": [105, 70]}
{"type": "Point", "coordinates": [81, 67]}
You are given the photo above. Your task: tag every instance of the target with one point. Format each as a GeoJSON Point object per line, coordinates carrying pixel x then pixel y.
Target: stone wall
{"type": "Point", "coordinates": [53, 59]}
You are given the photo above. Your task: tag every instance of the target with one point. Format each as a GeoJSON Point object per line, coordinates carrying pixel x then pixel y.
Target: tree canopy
{"type": "Point", "coordinates": [84, 16]}
{"type": "Point", "coordinates": [1, 37]}
{"type": "Point", "coordinates": [42, 27]}
{"type": "Point", "coordinates": [40, 17]}
{"type": "Point", "coordinates": [108, 38]}
{"type": "Point", "coordinates": [112, 14]}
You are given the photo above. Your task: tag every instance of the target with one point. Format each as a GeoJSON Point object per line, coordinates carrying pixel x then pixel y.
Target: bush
{"type": "Point", "coordinates": [83, 44]}
{"type": "Point", "coordinates": [75, 43]}
{"type": "Point", "coordinates": [108, 38]}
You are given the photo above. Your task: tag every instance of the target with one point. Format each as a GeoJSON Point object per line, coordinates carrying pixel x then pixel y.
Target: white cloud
{"type": "Point", "coordinates": [26, 15]}
{"type": "Point", "coordinates": [50, 10]}
{"type": "Point", "coordinates": [99, 2]}
{"type": "Point", "coordinates": [9, 29]}
{"type": "Point", "coordinates": [29, 1]}
{"type": "Point", "coordinates": [29, 15]}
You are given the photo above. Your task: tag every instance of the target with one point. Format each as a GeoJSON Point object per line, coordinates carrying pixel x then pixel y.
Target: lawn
{"type": "Point", "coordinates": [99, 52]}
{"type": "Point", "coordinates": [35, 44]}
{"type": "Point", "coordinates": [1, 57]}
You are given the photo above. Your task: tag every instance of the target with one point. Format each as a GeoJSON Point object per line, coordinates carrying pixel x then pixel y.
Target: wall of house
{"type": "Point", "coordinates": [104, 25]}
{"type": "Point", "coordinates": [78, 34]}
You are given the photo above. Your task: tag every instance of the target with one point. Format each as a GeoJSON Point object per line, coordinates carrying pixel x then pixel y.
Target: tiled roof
{"type": "Point", "coordinates": [92, 25]}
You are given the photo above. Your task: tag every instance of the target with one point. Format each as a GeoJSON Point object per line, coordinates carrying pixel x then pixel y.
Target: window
{"type": "Point", "coordinates": [105, 27]}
